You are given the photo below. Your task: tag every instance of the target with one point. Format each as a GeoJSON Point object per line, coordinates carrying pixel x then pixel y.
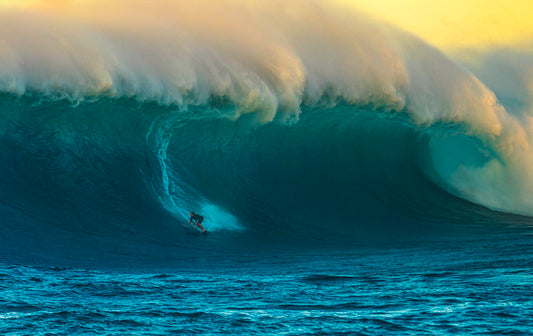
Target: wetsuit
{"type": "Point", "coordinates": [197, 218]}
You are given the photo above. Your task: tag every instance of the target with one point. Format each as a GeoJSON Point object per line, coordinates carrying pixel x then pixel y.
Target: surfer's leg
{"type": "Point", "coordinates": [200, 226]}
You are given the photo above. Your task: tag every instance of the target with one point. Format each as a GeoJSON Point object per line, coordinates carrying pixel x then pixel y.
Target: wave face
{"type": "Point", "coordinates": [111, 164]}
{"type": "Point", "coordinates": [266, 117]}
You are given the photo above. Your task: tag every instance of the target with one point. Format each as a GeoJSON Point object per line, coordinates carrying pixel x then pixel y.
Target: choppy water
{"type": "Point", "coordinates": [470, 286]}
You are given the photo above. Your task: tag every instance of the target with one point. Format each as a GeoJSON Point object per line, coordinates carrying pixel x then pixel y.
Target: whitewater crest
{"type": "Point", "coordinates": [265, 61]}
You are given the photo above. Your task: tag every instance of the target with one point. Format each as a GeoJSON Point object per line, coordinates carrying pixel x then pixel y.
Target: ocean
{"type": "Point", "coordinates": [476, 285]}
{"type": "Point", "coordinates": [353, 179]}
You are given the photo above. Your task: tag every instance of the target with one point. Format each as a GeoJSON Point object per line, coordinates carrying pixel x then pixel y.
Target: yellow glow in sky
{"type": "Point", "coordinates": [448, 24]}
{"type": "Point", "coordinates": [19, 3]}
{"type": "Point", "coordinates": [456, 24]}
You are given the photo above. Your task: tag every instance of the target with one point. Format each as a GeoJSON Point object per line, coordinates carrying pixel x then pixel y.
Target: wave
{"type": "Point", "coordinates": [261, 115]}
{"type": "Point", "coordinates": [111, 163]}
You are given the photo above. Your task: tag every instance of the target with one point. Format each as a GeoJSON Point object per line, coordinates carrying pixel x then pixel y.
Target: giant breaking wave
{"type": "Point", "coordinates": [260, 114]}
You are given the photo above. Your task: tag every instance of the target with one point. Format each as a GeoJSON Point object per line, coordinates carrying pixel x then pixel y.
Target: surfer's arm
{"type": "Point", "coordinates": [188, 223]}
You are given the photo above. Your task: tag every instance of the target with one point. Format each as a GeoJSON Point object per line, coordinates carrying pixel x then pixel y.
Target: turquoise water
{"type": "Point", "coordinates": [469, 286]}
{"type": "Point", "coordinates": [349, 232]}
{"type": "Point", "coordinates": [353, 179]}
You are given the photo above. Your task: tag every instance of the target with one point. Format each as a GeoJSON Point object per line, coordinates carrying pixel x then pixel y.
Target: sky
{"type": "Point", "coordinates": [448, 24]}
{"type": "Point", "coordinates": [458, 24]}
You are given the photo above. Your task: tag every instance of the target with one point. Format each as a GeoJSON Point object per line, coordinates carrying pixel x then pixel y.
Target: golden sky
{"type": "Point", "coordinates": [448, 24]}
{"type": "Point", "coordinates": [457, 24]}
{"type": "Point", "coordinates": [18, 4]}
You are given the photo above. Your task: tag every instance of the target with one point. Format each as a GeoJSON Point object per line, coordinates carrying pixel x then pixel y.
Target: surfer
{"type": "Point", "coordinates": [197, 219]}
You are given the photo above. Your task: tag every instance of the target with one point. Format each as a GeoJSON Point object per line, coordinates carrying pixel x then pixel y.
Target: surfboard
{"type": "Point", "coordinates": [191, 229]}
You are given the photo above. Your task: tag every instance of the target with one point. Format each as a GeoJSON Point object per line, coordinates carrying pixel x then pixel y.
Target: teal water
{"type": "Point", "coordinates": [338, 224]}
{"type": "Point", "coordinates": [354, 179]}
{"type": "Point", "coordinates": [449, 287]}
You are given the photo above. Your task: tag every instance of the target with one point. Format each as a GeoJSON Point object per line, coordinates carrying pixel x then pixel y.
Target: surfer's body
{"type": "Point", "coordinates": [197, 219]}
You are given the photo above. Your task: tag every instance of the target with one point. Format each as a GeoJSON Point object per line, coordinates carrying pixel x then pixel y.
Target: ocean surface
{"type": "Point", "coordinates": [354, 179]}
{"type": "Point", "coordinates": [475, 285]}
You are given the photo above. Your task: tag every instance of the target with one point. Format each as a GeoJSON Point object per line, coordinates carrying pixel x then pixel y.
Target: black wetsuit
{"type": "Point", "coordinates": [197, 218]}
